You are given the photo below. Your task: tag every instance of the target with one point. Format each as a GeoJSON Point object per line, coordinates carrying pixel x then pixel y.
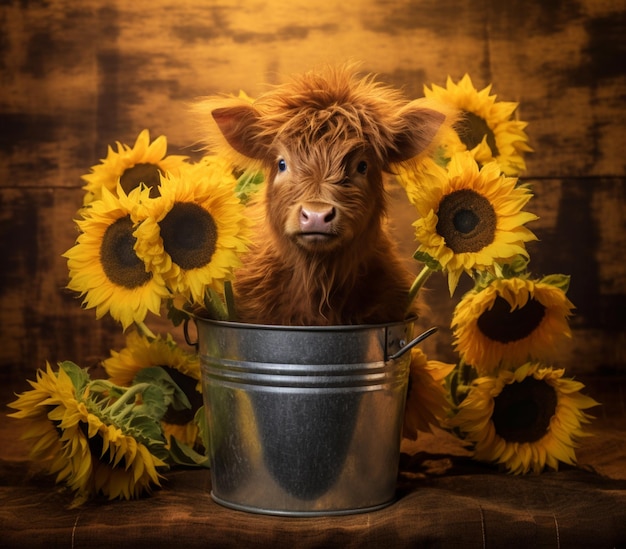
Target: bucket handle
{"type": "Point", "coordinates": [413, 343]}
{"type": "Point", "coordinates": [186, 334]}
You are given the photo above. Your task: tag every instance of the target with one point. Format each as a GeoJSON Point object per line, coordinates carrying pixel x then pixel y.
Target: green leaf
{"type": "Point", "coordinates": [248, 184]}
{"type": "Point", "coordinates": [154, 402]}
{"type": "Point", "coordinates": [201, 421]}
{"type": "Point", "coordinates": [181, 454]}
{"type": "Point", "coordinates": [175, 315]}
{"type": "Point", "coordinates": [78, 376]}
{"type": "Point", "coordinates": [517, 268]}
{"type": "Point", "coordinates": [440, 157]}
{"type": "Point", "coordinates": [229, 296]}
{"type": "Point", "coordinates": [170, 394]}
{"type": "Point", "coordinates": [428, 260]}
{"type": "Point", "coordinates": [214, 305]}
{"type": "Point", "coordinates": [148, 431]}
{"type": "Point", "coordinates": [559, 280]}
{"type": "Point", "coordinates": [482, 279]}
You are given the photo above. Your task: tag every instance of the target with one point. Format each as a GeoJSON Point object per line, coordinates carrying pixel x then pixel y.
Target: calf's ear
{"type": "Point", "coordinates": [419, 125]}
{"type": "Point", "coordinates": [238, 125]}
{"type": "Point", "coordinates": [229, 128]}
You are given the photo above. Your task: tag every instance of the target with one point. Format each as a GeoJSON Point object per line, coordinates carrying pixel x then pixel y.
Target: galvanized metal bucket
{"type": "Point", "coordinates": [304, 421]}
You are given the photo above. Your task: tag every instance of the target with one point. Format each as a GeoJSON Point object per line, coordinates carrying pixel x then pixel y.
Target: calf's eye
{"type": "Point", "coordinates": [282, 165]}
{"type": "Point", "coordinates": [362, 167]}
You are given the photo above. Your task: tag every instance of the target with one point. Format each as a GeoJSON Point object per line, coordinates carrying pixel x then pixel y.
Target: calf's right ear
{"type": "Point", "coordinates": [238, 125]}
{"type": "Point", "coordinates": [230, 129]}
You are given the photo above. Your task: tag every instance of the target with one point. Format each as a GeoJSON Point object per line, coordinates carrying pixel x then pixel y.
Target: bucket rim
{"type": "Point", "coordinates": [304, 328]}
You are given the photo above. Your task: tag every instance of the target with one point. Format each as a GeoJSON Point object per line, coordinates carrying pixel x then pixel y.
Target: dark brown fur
{"type": "Point", "coordinates": [326, 126]}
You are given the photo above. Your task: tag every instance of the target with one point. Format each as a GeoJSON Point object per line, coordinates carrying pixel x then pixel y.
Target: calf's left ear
{"type": "Point", "coordinates": [418, 128]}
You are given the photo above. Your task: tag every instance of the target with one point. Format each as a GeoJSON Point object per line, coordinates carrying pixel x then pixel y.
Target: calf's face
{"type": "Point", "coordinates": [326, 197]}
{"type": "Point", "coordinates": [323, 147]}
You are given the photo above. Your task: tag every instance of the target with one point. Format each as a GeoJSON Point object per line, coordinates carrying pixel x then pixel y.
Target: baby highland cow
{"type": "Point", "coordinates": [321, 254]}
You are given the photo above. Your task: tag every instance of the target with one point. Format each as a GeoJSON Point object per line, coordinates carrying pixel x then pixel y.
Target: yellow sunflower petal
{"type": "Point", "coordinates": [487, 130]}
{"type": "Point", "coordinates": [198, 202]}
{"type": "Point", "coordinates": [426, 403]}
{"type": "Point", "coordinates": [104, 269]}
{"type": "Point", "coordinates": [107, 174]}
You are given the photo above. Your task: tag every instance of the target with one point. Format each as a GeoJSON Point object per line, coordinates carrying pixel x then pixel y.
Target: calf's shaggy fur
{"type": "Point", "coordinates": [321, 254]}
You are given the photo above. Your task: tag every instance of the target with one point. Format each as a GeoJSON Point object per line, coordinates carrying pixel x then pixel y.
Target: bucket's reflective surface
{"type": "Point", "coordinates": [303, 420]}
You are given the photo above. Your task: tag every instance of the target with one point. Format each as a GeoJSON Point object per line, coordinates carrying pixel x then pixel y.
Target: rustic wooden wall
{"type": "Point", "coordinates": [76, 76]}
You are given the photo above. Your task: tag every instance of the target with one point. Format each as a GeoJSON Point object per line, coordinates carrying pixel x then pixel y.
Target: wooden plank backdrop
{"type": "Point", "coordinates": [77, 76]}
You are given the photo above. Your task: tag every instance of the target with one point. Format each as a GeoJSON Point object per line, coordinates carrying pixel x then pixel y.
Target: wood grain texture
{"type": "Point", "coordinates": [443, 500]}
{"type": "Point", "coordinates": [77, 77]}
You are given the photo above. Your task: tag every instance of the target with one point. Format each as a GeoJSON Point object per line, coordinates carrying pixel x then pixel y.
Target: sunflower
{"type": "Point", "coordinates": [525, 420]}
{"type": "Point", "coordinates": [486, 128]}
{"type": "Point", "coordinates": [426, 403]}
{"type": "Point", "coordinates": [469, 217]}
{"type": "Point", "coordinates": [184, 368]}
{"type": "Point", "coordinates": [82, 444]}
{"type": "Point", "coordinates": [511, 321]}
{"type": "Point", "coordinates": [104, 267]}
{"type": "Point", "coordinates": [195, 230]}
{"type": "Point", "coordinates": [33, 408]}
{"type": "Point", "coordinates": [144, 162]}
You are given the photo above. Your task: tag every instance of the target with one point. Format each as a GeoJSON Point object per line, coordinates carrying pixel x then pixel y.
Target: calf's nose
{"type": "Point", "coordinates": [316, 219]}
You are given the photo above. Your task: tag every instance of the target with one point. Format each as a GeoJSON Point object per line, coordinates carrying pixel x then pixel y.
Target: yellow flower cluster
{"type": "Point", "coordinates": [87, 446]}
{"type": "Point", "coordinates": [114, 437]}
{"type": "Point", "coordinates": [506, 397]}
{"type": "Point", "coordinates": [153, 230]}
{"type": "Point", "coordinates": [486, 128]}
{"type": "Point", "coordinates": [156, 229]}
{"type": "Point", "coordinates": [143, 353]}
{"type": "Point", "coordinates": [159, 230]}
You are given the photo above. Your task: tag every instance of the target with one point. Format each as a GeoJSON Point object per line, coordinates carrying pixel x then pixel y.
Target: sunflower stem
{"type": "Point", "coordinates": [126, 397]}
{"type": "Point", "coordinates": [144, 330]}
{"type": "Point", "coordinates": [229, 296]}
{"type": "Point", "coordinates": [419, 281]}
{"type": "Point", "coordinates": [214, 305]}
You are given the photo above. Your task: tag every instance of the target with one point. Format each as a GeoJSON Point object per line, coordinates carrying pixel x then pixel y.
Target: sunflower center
{"type": "Point", "coordinates": [148, 174]}
{"type": "Point", "coordinates": [504, 325]}
{"type": "Point", "coordinates": [189, 235]}
{"type": "Point", "coordinates": [466, 221]}
{"type": "Point", "coordinates": [188, 386]}
{"type": "Point", "coordinates": [522, 411]}
{"type": "Point", "coordinates": [118, 258]}
{"type": "Point", "coordinates": [471, 129]}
